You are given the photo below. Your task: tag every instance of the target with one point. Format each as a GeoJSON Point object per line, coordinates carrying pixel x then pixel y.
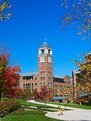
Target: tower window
{"type": "Point", "coordinates": [42, 78]}
{"type": "Point", "coordinates": [48, 51]}
{"type": "Point", "coordinates": [42, 51]}
{"type": "Point", "coordinates": [49, 84]}
{"type": "Point", "coordinates": [43, 83]}
{"type": "Point", "coordinates": [50, 78]}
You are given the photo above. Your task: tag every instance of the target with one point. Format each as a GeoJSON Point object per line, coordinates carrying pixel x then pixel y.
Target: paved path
{"type": "Point", "coordinates": [72, 114]}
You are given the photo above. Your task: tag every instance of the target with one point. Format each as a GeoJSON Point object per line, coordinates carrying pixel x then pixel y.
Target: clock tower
{"type": "Point", "coordinates": [45, 66]}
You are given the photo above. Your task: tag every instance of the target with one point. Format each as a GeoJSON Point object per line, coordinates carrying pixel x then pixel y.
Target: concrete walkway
{"type": "Point", "coordinates": [72, 114]}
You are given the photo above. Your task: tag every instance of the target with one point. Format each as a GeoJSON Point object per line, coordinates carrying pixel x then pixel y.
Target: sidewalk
{"type": "Point", "coordinates": [72, 114]}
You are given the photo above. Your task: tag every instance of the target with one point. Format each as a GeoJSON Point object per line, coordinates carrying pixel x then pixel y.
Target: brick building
{"type": "Point", "coordinates": [44, 77]}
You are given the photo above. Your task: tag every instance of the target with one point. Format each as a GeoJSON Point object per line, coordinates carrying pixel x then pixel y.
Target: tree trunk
{"type": "Point", "coordinates": [45, 104]}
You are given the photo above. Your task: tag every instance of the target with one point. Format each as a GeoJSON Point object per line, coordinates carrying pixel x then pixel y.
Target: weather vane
{"type": "Point", "coordinates": [3, 7]}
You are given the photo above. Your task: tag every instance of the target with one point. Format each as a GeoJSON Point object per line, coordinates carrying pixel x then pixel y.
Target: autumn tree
{"type": "Point", "coordinates": [14, 93]}
{"type": "Point", "coordinates": [26, 94]}
{"type": "Point", "coordinates": [8, 74]}
{"type": "Point", "coordinates": [84, 77]}
{"type": "Point", "coordinates": [45, 94]}
{"type": "Point", "coordinates": [78, 12]}
{"type": "Point", "coordinates": [68, 92]}
{"type": "Point", "coordinates": [4, 6]}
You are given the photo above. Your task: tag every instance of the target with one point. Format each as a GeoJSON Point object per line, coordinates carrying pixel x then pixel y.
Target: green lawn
{"type": "Point", "coordinates": [31, 114]}
{"type": "Point", "coordinates": [22, 115]}
{"type": "Point", "coordinates": [25, 103]}
{"type": "Point", "coordinates": [72, 105]}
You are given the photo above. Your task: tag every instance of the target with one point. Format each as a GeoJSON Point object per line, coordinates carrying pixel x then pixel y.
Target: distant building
{"type": "Point", "coordinates": [44, 76]}
{"type": "Point", "coordinates": [75, 82]}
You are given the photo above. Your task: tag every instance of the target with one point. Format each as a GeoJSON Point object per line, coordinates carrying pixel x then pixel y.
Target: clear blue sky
{"type": "Point", "coordinates": [33, 21]}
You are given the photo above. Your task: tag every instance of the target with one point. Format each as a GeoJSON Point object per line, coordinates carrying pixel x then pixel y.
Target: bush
{"type": "Point", "coordinates": [8, 106]}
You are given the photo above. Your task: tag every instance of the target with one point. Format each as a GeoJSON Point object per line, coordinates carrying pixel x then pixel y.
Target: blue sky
{"type": "Point", "coordinates": [34, 20]}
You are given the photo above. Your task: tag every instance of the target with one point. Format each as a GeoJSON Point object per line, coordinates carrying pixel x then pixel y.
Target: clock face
{"type": "Point", "coordinates": [49, 59]}
{"type": "Point", "coordinates": [42, 59]}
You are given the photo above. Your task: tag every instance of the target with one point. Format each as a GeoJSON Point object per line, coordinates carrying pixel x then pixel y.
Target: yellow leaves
{"type": "Point", "coordinates": [3, 6]}
{"type": "Point", "coordinates": [78, 64]}
{"type": "Point", "coordinates": [9, 14]}
{"type": "Point", "coordinates": [2, 9]}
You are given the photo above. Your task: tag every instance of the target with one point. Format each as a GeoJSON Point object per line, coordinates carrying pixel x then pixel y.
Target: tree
{"type": "Point", "coordinates": [8, 74]}
{"type": "Point", "coordinates": [26, 94]}
{"type": "Point", "coordinates": [84, 77]}
{"type": "Point", "coordinates": [68, 92]}
{"type": "Point", "coordinates": [14, 93]}
{"type": "Point", "coordinates": [79, 13]}
{"type": "Point", "coordinates": [3, 8]}
{"type": "Point", "coordinates": [45, 94]}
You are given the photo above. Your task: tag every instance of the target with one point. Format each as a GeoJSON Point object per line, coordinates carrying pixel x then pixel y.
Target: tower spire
{"type": "Point", "coordinates": [45, 45]}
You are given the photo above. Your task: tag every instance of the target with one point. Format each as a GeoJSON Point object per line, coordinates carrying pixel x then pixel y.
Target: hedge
{"type": "Point", "coordinates": [8, 106]}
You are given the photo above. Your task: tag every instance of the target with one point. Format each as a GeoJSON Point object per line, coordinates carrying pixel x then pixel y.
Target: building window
{"type": "Point", "coordinates": [23, 86]}
{"type": "Point", "coordinates": [35, 78]}
{"type": "Point", "coordinates": [27, 77]}
{"type": "Point", "coordinates": [35, 83]}
{"type": "Point", "coordinates": [40, 83]}
{"type": "Point", "coordinates": [42, 78]}
{"type": "Point", "coordinates": [49, 84]}
{"type": "Point", "coordinates": [43, 83]}
{"type": "Point", "coordinates": [28, 85]}
{"type": "Point", "coordinates": [50, 78]}
{"type": "Point", "coordinates": [42, 72]}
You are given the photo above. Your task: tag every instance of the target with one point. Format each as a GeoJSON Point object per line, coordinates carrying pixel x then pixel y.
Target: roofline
{"type": "Point", "coordinates": [29, 74]}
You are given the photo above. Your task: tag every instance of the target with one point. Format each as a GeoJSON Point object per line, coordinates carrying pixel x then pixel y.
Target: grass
{"type": "Point", "coordinates": [72, 105]}
{"type": "Point", "coordinates": [57, 103]}
{"type": "Point", "coordinates": [31, 114]}
{"type": "Point", "coordinates": [22, 115]}
{"type": "Point", "coordinates": [25, 103]}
